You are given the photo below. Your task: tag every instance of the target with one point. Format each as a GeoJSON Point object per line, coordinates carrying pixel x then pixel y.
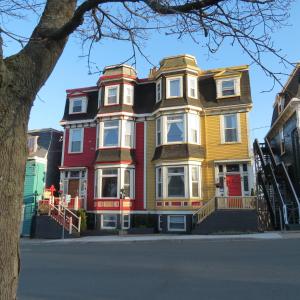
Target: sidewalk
{"type": "Point", "coordinates": [170, 237]}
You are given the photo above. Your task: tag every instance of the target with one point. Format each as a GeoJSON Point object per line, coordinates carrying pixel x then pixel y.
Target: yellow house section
{"type": "Point", "coordinates": [216, 151]}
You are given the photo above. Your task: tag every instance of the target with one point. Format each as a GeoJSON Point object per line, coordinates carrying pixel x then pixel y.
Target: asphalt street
{"type": "Point", "coordinates": [175, 269]}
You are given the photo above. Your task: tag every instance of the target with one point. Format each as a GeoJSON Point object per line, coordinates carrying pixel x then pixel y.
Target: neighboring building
{"type": "Point", "coordinates": [284, 134]}
{"type": "Point", "coordinates": [157, 148]}
{"type": "Point", "coordinates": [45, 146]}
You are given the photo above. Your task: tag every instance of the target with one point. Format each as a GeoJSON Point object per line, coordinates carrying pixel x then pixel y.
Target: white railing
{"type": "Point", "coordinates": [64, 217]}
{"type": "Point", "coordinates": [203, 212]}
{"type": "Point", "coordinates": [236, 202]}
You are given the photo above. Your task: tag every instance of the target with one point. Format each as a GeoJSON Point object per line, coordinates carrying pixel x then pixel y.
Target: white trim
{"type": "Point", "coordinates": [38, 159]}
{"type": "Point", "coordinates": [159, 73]}
{"type": "Point", "coordinates": [72, 168]}
{"type": "Point", "coordinates": [168, 222]}
{"type": "Point", "coordinates": [108, 87]}
{"type": "Point", "coordinates": [109, 214]}
{"type": "Point", "coordinates": [158, 225]}
{"type": "Point", "coordinates": [189, 79]}
{"type": "Point", "coordinates": [179, 163]}
{"type": "Point", "coordinates": [142, 212]}
{"type": "Point", "coordinates": [236, 86]}
{"type": "Point", "coordinates": [168, 79]}
{"type": "Point", "coordinates": [159, 82]}
{"type": "Point", "coordinates": [122, 220]}
{"type": "Point", "coordinates": [131, 87]}
{"type": "Point", "coordinates": [222, 128]}
{"type": "Point", "coordinates": [77, 122]}
{"type": "Point", "coordinates": [83, 105]}
{"type": "Point", "coordinates": [70, 140]}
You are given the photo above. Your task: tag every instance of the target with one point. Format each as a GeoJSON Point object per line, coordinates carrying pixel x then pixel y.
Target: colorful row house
{"type": "Point", "coordinates": [44, 158]}
{"type": "Point", "coordinates": [160, 147]}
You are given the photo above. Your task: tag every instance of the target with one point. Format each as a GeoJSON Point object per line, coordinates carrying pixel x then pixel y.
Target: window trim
{"type": "Point", "coordinates": [169, 219]}
{"type": "Point", "coordinates": [168, 79]}
{"type": "Point", "coordinates": [70, 140]}
{"type": "Point", "coordinates": [107, 227]}
{"type": "Point", "coordinates": [165, 126]}
{"type": "Point", "coordinates": [159, 82]}
{"type": "Point", "coordinates": [122, 221]}
{"type": "Point", "coordinates": [102, 130]}
{"type": "Point", "coordinates": [83, 105]}
{"type": "Point", "coordinates": [125, 86]}
{"type": "Point", "coordinates": [160, 220]}
{"type": "Point", "coordinates": [191, 181]}
{"type": "Point", "coordinates": [189, 79]}
{"type": "Point", "coordinates": [237, 87]}
{"type": "Point", "coordinates": [106, 94]}
{"type": "Point", "coordinates": [238, 128]}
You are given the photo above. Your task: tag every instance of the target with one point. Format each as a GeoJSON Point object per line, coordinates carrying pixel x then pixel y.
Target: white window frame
{"type": "Point", "coordinates": [159, 221]}
{"type": "Point", "coordinates": [180, 86]}
{"type": "Point", "coordinates": [237, 88]}
{"type": "Point", "coordinates": [159, 131]}
{"type": "Point", "coordinates": [184, 181]}
{"type": "Point", "coordinates": [169, 221]}
{"type": "Point", "coordinates": [191, 79]}
{"type": "Point", "coordinates": [83, 105]}
{"type": "Point", "coordinates": [157, 182]}
{"type": "Point", "coordinates": [108, 227]}
{"type": "Point", "coordinates": [99, 96]}
{"type": "Point", "coordinates": [70, 140]}
{"type": "Point", "coordinates": [190, 127]}
{"type": "Point", "coordinates": [125, 94]}
{"type": "Point", "coordinates": [102, 130]}
{"type": "Point", "coordinates": [191, 181]}
{"type": "Point", "coordinates": [165, 127]}
{"type": "Point", "coordinates": [108, 87]}
{"type": "Point", "coordinates": [120, 181]}
{"type": "Point", "coordinates": [158, 97]}
{"type": "Point", "coordinates": [124, 133]}
{"type": "Point", "coordinates": [123, 219]}
{"type": "Point", "coordinates": [238, 129]}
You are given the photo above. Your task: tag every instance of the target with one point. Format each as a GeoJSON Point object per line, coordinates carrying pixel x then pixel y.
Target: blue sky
{"type": "Point", "coordinates": [71, 70]}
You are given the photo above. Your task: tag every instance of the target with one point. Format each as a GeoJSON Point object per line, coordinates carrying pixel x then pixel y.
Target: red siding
{"type": "Point", "coordinates": [139, 168]}
{"type": "Point", "coordinates": [84, 159]}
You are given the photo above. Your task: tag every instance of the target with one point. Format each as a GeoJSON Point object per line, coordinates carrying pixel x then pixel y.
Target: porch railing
{"type": "Point", "coordinates": [236, 202]}
{"type": "Point", "coordinates": [203, 212]}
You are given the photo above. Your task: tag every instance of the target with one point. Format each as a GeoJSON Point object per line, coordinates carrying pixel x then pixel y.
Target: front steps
{"type": "Point", "coordinates": [47, 228]}
{"type": "Point", "coordinates": [228, 221]}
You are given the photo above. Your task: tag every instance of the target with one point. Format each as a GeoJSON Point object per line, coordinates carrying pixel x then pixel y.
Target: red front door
{"type": "Point", "coordinates": [234, 185]}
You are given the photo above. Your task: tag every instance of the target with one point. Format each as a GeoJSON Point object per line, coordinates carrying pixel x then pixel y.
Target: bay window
{"type": "Point", "coordinates": [192, 87]}
{"type": "Point", "coordinates": [172, 129]}
{"type": "Point", "coordinates": [76, 140]}
{"type": "Point", "coordinates": [178, 181]}
{"type": "Point", "coordinates": [110, 180]}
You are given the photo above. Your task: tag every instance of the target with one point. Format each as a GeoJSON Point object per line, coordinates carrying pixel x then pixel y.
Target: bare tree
{"type": "Point", "coordinates": [248, 23]}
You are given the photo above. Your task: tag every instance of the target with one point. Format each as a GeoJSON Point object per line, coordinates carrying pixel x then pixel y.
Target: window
{"type": "Point", "coordinates": [160, 222]}
{"type": "Point", "coordinates": [282, 142]}
{"type": "Point", "coordinates": [109, 221]}
{"type": "Point", "coordinates": [77, 105]}
{"type": "Point", "coordinates": [32, 143]}
{"type": "Point", "coordinates": [232, 168]}
{"type": "Point", "coordinates": [109, 183]}
{"type": "Point", "coordinates": [230, 128]}
{"type": "Point", "coordinates": [111, 95]}
{"type": "Point", "coordinates": [176, 223]}
{"type": "Point", "coordinates": [176, 182]}
{"type": "Point", "coordinates": [228, 87]}
{"type": "Point", "coordinates": [174, 87]}
{"type": "Point", "coordinates": [76, 140]}
{"type": "Point", "coordinates": [280, 104]}
{"type": "Point", "coordinates": [175, 129]}
{"type": "Point", "coordinates": [158, 91]}
{"type": "Point", "coordinates": [128, 94]}
{"type": "Point", "coordinates": [158, 131]}
{"type": "Point", "coordinates": [246, 183]}
{"type": "Point", "coordinates": [192, 87]}
{"type": "Point", "coordinates": [125, 221]}
{"type": "Point", "coordinates": [194, 126]}
{"type": "Point", "coordinates": [129, 133]}
{"type": "Point", "coordinates": [195, 181]}
{"type": "Point", "coordinates": [99, 97]}
{"type": "Point", "coordinates": [111, 133]}
{"type": "Point", "coordinates": [127, 183]}
{"type": "Point", "coordinates": [159, 182]}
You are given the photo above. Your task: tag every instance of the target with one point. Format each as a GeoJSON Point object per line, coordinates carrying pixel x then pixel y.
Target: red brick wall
{"type": "Point", "coordinates": [84, 159]}
{"type": "Point", "coordinates": [139, 168]}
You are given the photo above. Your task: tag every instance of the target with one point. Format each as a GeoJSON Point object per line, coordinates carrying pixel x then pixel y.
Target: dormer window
{"type": "Point", "coordinates": [32, 143]}
{"type": "Point", "coordinates": [128, 94]}
{"type": "Point", "coordinates": [78, 105]}
{"type": "Point", "coordinates": [111, 95]}
{"type": "Point", "coordinates": [158, 90]}
{"type": "Point", "coordinates": [174, 87]}
{"type": "Point", "coordinates": [228, 87]}
{"type": "Point", "coordinates": [192, 87]}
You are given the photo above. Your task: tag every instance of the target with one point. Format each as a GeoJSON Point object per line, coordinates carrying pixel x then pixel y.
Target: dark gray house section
{"type": "Point", "coordinates": [49, 146]}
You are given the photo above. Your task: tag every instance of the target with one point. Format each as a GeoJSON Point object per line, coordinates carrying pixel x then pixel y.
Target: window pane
{"type": "Point", "coordinates": [175, 87]}
{"type": "Point", "coordinates": [110, 221]}
{"type": "Point", "coordinates": [232, 168]}
{"type": "Point", "coordinates": [76, 140]}
{"type": "Point", "coordinates": [159, 182]}
{"type": "Point", "coordinates": [230, 121]}
{"type": "Point", "coordinates": [195, 189]}
{"type": "Point", "coordinates": [246, 184]}
{"type": "Point", "coordinates": [158, 91]}
{"type": "Point", "coordinates": [176, 182]}
{"type": "Point", "coordinates": [175, 129]}
{"type": "Point", "coordinates": [109, 187]}
{"type": "Point", "coordinates": [230, 135]}
{"type": "Point", "coordinates": [228, 87]}
{"type": "Point", "coordinates": [176, 222]}
{"type": "Point", "coordinates": [129, 134]}
{"type": "Point", "coordinates": [127, 183]}
{"type": "Point", "coordinates": [158, 131]}
{"type": "Point", "coordinates": [77, 105]}
{"type": "Point", "coordinates": [112, 95]}
{"type": "Point", "coordinates": [109, 172]}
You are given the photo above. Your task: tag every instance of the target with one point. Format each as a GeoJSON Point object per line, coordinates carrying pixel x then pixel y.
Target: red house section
{"type": "Point", "coordinates": [84, 159]}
